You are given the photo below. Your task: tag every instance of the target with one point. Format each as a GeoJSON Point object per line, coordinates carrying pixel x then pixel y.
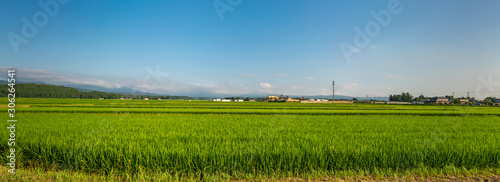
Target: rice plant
{"type": "Point", "coordinates": [252, 138]}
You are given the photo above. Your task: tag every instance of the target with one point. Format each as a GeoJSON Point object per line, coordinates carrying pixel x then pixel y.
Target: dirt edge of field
{"type": "Point", "coordinates": [52, 176]}
{"type": "Point", "coordinates": [495, 178]}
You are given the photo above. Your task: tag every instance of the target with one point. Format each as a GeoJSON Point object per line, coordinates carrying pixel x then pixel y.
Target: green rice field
{"type": "Point", "coordinates": [228, 141]}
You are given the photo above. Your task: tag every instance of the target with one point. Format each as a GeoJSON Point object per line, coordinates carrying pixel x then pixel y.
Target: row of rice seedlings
{"type": "Point", "coordinates": [457, 112]}
{"type": "Point", "coordinates": [176, 106]}
{"type": "Point", "coordinates": [258, 144]}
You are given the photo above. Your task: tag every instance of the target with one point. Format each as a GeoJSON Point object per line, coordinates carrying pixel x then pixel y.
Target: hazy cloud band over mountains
{"type": "Point", "coordinates": [167, 86]}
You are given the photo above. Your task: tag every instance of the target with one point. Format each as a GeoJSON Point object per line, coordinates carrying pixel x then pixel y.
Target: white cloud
{"type": "Point", "coordinates": [200, 88]}
{"type": "Point", "coordinates": [307, 89]}
{"type": "Point", "coordinates": [309, 78]}
{"type": "Point", "coordinates": [281, 75]}
{"type": "Point", "coordinates": [347, 89]}
{"type": "Point", "coordinates": [242, 86]}
{"type": "Point", "coordinates": [383, 90]}
{"type": "Point", "coordinates": [265, 85]}
{"type": "Point", "coordinates": [50, 77]}
{"type": "Point", "coordinates": [349, 86]}
{"type": "Point", "coordinates": [151, 85]}
{"type": "Point", "coordinates": [204, 85]}
{"type": "Point", "coordinates": [248, 75]}
{"type": "Point", "coordinates": [373, 47]}
{"type": "Point", "coordinates": [394, 76]}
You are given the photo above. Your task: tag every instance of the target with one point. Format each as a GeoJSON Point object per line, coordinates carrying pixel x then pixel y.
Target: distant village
{"type": "Point", "coordinates": [406, 98]}
{"type": "Point", "coordinates": [442, 100]}
{"type": "Point", "coordinates": [276, 98]}
{"type": "Point", "coordinates": [393, 99]}
{"type": "Point", "coordinates": [403, 98]}
{"type": "Point", "coordinates": [433, 100]}
{"type": "Point", "coordinates": [446, 100]}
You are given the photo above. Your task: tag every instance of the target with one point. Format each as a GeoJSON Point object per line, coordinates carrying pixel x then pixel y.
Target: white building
{"type": "Point", "coordinates": [239, 100]}
{"type": "Point", "coordinates": [217, 100]}
{"type": "Point", "coordinates": [146, 98]}
{"type": "Point", "coordinates": [226, 100]}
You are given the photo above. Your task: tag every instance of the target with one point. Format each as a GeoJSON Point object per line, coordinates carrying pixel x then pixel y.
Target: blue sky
{"type": "Point", "coordinates": [260, 47]}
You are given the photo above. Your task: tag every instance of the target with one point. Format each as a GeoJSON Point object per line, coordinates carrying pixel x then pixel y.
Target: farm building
{"type": "Point", "coordinates": [497, 103]}
{"type": "Point", "coordinates": [272, 98]}
{"type": "Point", "coordinates": [217, 100]}
{"type": "Point", "coordinates": [463, 100]}
{"type": "Point", "coordinates": [252, 100]}
{"type": "Point", "coordinates": [317, 100]}
{"type": "Point", "coordinates": [326, 101]}
{"type": "Point", "coordinates": [146, 98]}
{"type": "Point", "coordinates": [438, 100]}
{"type": "Point", "coordinates": [397, 102]}
{"type": "Point", "coordinates": [341, 101]}
{"type": "Point", "coordinates": [288, 99]}
{"type": "Point", "coordinates": [227, 100]}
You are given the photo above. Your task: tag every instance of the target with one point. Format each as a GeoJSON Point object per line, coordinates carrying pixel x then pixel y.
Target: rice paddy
{"type": "Point", "coordinates": [200, 139]}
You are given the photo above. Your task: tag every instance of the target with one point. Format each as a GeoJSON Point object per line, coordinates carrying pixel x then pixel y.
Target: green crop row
{"type": "Point", "coordinates": [237, 141]}
{"type": "Point", "coordinates": [458, 112]}
{"type": "Point", "coordinates": [255, 144]}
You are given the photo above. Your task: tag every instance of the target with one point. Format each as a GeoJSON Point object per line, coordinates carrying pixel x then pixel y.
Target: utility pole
{"type": "Point", "coordinates": [333, 84]}
{"type": "Point", "coordinates": [468, 95]}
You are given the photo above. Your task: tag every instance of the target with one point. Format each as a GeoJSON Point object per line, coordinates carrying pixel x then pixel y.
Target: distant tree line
{"type": "Point", "coordinates": [404, 97]}
{"type": "Point", "coordinates": [32, 90]}
{"type": "Point", "coordinates": [407, 97]}
{"type": "Point", "coordinates": [238, 98]}
{"type": "Point", "coordinates": [490, 100]}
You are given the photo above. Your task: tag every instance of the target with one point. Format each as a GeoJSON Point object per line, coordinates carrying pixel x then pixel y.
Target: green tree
{"type": "Point", "coordinates": [420, 98]}
{"type": "Point", "coordinates": [489, 100]}
{"type": "Point", "coordinates": [404, 97]}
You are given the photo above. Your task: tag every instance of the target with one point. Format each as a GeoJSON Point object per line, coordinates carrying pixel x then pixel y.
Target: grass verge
{"type": "Point", "coordinates": [448, 173]}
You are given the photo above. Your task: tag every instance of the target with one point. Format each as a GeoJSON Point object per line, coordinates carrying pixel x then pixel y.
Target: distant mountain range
{"type": "Point", "coordinates": [127, 90]}
{"type": "Point", "coordinates": [122, 90]}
